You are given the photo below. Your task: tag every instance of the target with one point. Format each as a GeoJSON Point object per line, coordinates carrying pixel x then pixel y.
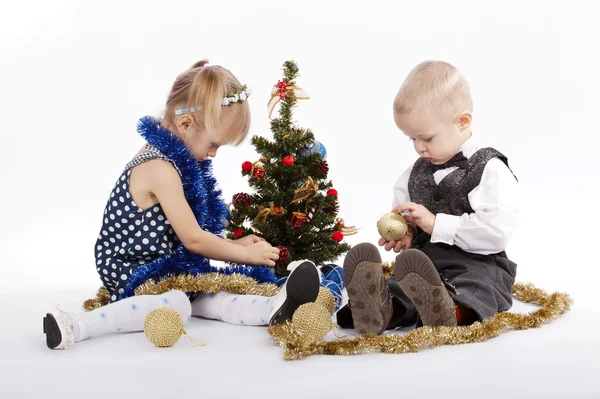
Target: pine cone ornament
{"type": "Point", "coordinates": [335, 208]}
{"type": "Point", "coordinates": [241, 199]}
{"type": "Point", "coordinates": [323, 167]}
{"type": "Point", "coordinates": [284, 255]}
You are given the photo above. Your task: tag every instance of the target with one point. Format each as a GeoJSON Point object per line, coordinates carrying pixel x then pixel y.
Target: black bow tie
{"type": "Point", "coordinates": [458, 160]}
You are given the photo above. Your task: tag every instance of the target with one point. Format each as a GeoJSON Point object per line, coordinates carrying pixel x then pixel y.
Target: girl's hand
{"type": "Point", "coordinates": [418, 215]}
{"type": "Point", "coordinates": [262, 253]}
{"type": "Point", "coordinates": [248, 240]}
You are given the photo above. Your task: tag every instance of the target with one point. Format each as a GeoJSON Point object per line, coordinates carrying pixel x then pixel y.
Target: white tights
{"type": "Point", "coordinates": [250, 310]}
{"type": "Point", "coordinates": [128, 315]}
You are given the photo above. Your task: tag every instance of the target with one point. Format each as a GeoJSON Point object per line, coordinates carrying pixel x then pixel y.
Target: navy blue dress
{"type": "Point", "coordinates": [130, 236]}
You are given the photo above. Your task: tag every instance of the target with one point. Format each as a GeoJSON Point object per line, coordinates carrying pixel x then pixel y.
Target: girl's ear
{"type": "Point", "coordinates": [184, 123]}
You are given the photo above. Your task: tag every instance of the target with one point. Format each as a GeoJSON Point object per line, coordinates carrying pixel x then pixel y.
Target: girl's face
{"type": "Point", "coordinates": [203, 143]}
{"type": "Point", "coordinates": [433, 140]}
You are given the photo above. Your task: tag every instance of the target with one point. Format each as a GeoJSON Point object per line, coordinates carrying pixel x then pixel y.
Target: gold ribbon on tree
{"type": "Point", "coordinates": [346, 230]}
{"type": "Point", "coordinates": [283, 89]}
{"type": "Point", "coordinates": [306, 192]}
{"type": "Point", "coordinates": [273, 210]}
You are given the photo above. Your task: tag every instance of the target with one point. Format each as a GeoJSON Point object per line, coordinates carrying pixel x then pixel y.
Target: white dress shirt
{"type": "Point", "coordinates": [495, 201]}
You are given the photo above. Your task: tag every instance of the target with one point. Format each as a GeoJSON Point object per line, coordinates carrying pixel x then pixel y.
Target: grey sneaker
{"type": "Point", "coordinates": [368, 295]}
{"type": "Point", "coordinates": [421, 282]}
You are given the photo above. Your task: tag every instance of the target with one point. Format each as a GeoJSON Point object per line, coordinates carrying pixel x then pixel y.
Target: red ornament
{"type": "Point", "coordinates": [337, 236]}
{"type": "Point", "coordinates": [238, 233]}
{"type": "Point", "coordinates": [284, 254]}
{"type": "Point", "coordinates": [288, 161]}
{"type": "Point", "coordinates": [282, 86]}
{"type": "Point", "coordinates": [247, 166]}
{"type": "Point", "coordinates": [332, 192]}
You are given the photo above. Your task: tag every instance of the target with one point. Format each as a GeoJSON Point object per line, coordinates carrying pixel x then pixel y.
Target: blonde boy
{"type": "Point", "coordinates": [462, 202]}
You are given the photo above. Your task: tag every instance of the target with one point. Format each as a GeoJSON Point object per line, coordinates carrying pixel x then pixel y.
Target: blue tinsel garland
{"type": "Point", "coordinates": [204, 197]}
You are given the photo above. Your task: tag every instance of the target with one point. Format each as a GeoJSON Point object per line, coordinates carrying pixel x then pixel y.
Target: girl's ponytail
{"type": "Point", "coordinates": [208, 90]}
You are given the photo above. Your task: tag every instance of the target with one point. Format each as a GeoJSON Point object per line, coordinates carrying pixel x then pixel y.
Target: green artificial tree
{"type": "Point", "coordinates": [293, 206]}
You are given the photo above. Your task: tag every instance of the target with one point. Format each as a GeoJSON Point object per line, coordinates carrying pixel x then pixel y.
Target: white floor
{"type": "Point", "coordinates": [556, 361]}
{"type": "Point", "coordinates": [559, 360]}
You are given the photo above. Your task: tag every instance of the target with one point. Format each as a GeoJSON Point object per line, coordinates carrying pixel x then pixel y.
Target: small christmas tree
{"type": "Point", "coordinates": [293, 207]}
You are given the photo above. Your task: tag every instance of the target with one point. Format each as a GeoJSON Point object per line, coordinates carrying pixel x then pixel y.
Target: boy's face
{"type": "Point", "coordinates": [435, 140]}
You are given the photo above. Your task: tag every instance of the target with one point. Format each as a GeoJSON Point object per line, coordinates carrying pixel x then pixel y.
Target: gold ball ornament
{"type": "Point", "coordinates": [163, 327]}
{"type": "Point", "coordinates": [326, 299]}
{"type": "Point", "coordinates": [312, 321]}
{"type": "Point", "coordinates": [392, 227]}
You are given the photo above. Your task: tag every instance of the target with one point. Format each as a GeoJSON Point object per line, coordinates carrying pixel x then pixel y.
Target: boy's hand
{"type": "Point", "coordinates": [418, 215]}
{"type": "Point", "coordinates": [248, 240]}
{"type": "Point", "coordinates": [397, 246]}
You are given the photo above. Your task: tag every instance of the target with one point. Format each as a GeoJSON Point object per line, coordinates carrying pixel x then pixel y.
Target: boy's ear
{"type": "Point", "coordinates": [464, 120]}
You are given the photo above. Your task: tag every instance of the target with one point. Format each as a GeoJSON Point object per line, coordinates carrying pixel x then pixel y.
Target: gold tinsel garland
{"type": "Point", "coordinates": [388, 269]}
{"type": "Point", "coordinates": [211, 282]}
{"type": "Point", "coordinates": [297, 346]}
{"type": "Point", "coordinates": [551, 307]}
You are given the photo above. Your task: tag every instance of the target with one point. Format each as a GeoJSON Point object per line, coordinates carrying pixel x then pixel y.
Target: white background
{"type": "Point", "coordinates": [76, 76]}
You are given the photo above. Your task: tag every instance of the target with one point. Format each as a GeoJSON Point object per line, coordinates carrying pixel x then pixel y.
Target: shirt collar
{"type": "Point", "coordinates": [469, 147]}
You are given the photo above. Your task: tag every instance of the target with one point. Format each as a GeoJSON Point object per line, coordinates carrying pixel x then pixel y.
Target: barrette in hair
{"type": "Point", "coordinates": [235, 97]}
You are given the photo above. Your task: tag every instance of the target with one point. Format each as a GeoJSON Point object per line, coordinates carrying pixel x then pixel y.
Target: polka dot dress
{"type": "Point", "coordinates": [131, 237]}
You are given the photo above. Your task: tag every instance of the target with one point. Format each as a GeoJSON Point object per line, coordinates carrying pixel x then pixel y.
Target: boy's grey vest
{"type": "Point", "coordinates": [451, 196]}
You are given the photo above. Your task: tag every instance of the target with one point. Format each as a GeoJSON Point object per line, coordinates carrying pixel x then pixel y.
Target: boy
{"type": "Point", "coordinates": [462, 202]}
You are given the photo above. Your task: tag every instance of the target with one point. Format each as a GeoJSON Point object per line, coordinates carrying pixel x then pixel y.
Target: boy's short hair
{"type": "Point", "coordinates": [434, 87]}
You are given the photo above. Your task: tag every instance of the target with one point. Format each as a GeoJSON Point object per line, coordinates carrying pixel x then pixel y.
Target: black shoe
{"type": "Point", "coordinates": [302, 286]}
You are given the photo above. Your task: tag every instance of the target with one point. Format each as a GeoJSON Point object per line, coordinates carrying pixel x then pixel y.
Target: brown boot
{"type": "Point", "coordinates": [368, 295]}
{"type": "Point", "coordinates": [421, 282]}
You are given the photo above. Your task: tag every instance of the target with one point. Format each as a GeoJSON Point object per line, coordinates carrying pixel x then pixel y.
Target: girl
{"type": "Point", "coordinates": [164, 215]}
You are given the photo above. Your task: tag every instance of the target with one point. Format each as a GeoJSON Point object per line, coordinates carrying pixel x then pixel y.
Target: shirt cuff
{"type": "Point", "coordinates": [445, 227]}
